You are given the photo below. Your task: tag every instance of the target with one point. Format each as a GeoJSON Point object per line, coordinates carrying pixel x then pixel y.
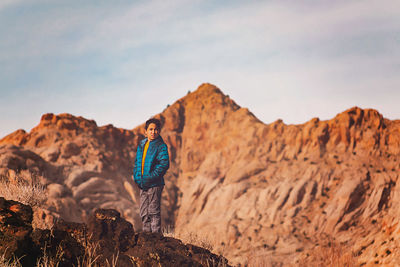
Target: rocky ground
{"type": "Point", "coordinates": [272, 191]}
{"type": "Point", "coordinates": [105, 239]}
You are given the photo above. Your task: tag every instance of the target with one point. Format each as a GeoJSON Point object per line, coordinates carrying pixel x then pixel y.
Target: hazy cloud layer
{"type": "Point", "coordinates": [282, 59]}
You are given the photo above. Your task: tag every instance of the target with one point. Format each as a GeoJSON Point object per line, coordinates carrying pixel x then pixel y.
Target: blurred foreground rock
{"type": "Point", "coordinates": [18, 240]}
{"type": "Point", "coordinates": [106, 238]}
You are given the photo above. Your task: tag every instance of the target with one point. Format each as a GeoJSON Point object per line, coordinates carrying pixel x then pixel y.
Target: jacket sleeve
{"type": "Point", "coordinates": [162, 162]}
{"type": "Point", "coordinates": [137, 168]}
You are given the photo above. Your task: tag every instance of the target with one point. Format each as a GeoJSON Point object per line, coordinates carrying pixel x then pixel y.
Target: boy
{"type": "Point", "coordinates": [151, 163]}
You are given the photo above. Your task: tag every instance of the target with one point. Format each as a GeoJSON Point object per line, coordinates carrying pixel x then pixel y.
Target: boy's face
{"type": "Point", "coordinates": [152, 132]}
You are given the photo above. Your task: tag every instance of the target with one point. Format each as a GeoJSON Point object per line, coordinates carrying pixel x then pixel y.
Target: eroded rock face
{"type": "Point", "coordinates": [273, 188]}
{"type": "Point", "coordinates": [85, 167]}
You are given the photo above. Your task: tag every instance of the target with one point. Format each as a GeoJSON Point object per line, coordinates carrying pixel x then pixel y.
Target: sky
{"type": "Point", "coordinates": [120, 62]}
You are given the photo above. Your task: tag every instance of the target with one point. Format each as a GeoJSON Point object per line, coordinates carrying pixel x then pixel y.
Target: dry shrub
{"type": "Point", "coordinates": [33, 194]}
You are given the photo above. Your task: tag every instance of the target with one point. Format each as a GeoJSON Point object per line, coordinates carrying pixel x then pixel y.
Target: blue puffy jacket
{"type": "Point", "coordinates": [155, 166]}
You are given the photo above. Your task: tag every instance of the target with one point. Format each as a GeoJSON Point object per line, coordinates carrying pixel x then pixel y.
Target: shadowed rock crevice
{"type": "Point", "coordinates": [285, 199]}
{"type": "Point", "coordinates": [357, 197]}
{"type": "Point", "coordinates": [384, 200]}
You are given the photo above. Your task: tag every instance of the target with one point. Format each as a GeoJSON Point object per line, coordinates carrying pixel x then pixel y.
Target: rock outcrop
{"type": "Point", "coordinates": [105, 240]}
{"type": "Point", "coordinates": [18, 240]}
{"type": "Point", "coordinates": [273, 190]}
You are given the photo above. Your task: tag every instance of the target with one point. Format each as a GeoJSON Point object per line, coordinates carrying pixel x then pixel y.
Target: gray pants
{"type": "Point", "coordinates": [150, 209]}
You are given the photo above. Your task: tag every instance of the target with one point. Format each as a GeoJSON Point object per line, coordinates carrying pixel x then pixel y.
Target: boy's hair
{"type": "Point", "coordinates": [155, 121]}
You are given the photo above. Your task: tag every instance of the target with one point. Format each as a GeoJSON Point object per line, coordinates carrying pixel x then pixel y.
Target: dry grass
{"type": "Point", "coordinates": [212, 263]}
{"type": "Point", "coordinates": [333, 254]}
{"type": "Point", "coordinates": [88, 260]}
{"type": "Point", "coordinates": [259, 258]}
{"type": "Point", "coordinates": [189, 238]}
{"type": "Point", "coordinates": [46, 261]}
{"type": "Point", "coordinates": [13, 262]}
{"type": "Point", "coordinates": [114, 261]}
{"type": "Point", "coordinates": [49, 261]}
{"type": "Point", "coordinates": [91, 256]}
{"type": "Point", "coordinates": [32, 194]}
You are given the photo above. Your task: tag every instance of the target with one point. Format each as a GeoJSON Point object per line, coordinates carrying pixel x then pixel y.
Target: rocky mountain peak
{"type": "Point", "coordinates": [358, 117]}
{"type": "Point", "coordinates": [207, 99]}
{"type": "Point", "coordinates": [64, 121]}
{"type": "Point", "coordinates": [273, 188]}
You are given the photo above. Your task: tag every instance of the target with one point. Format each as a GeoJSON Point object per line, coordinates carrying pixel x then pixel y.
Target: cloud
{"type": "Point", "coordinates": [8, 3]}
{"type": "Point", "coordinates": [286, 59]}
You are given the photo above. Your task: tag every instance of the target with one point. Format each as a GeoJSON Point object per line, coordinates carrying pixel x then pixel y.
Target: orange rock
{"type": "Point", "coordinates": [273, 188]}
